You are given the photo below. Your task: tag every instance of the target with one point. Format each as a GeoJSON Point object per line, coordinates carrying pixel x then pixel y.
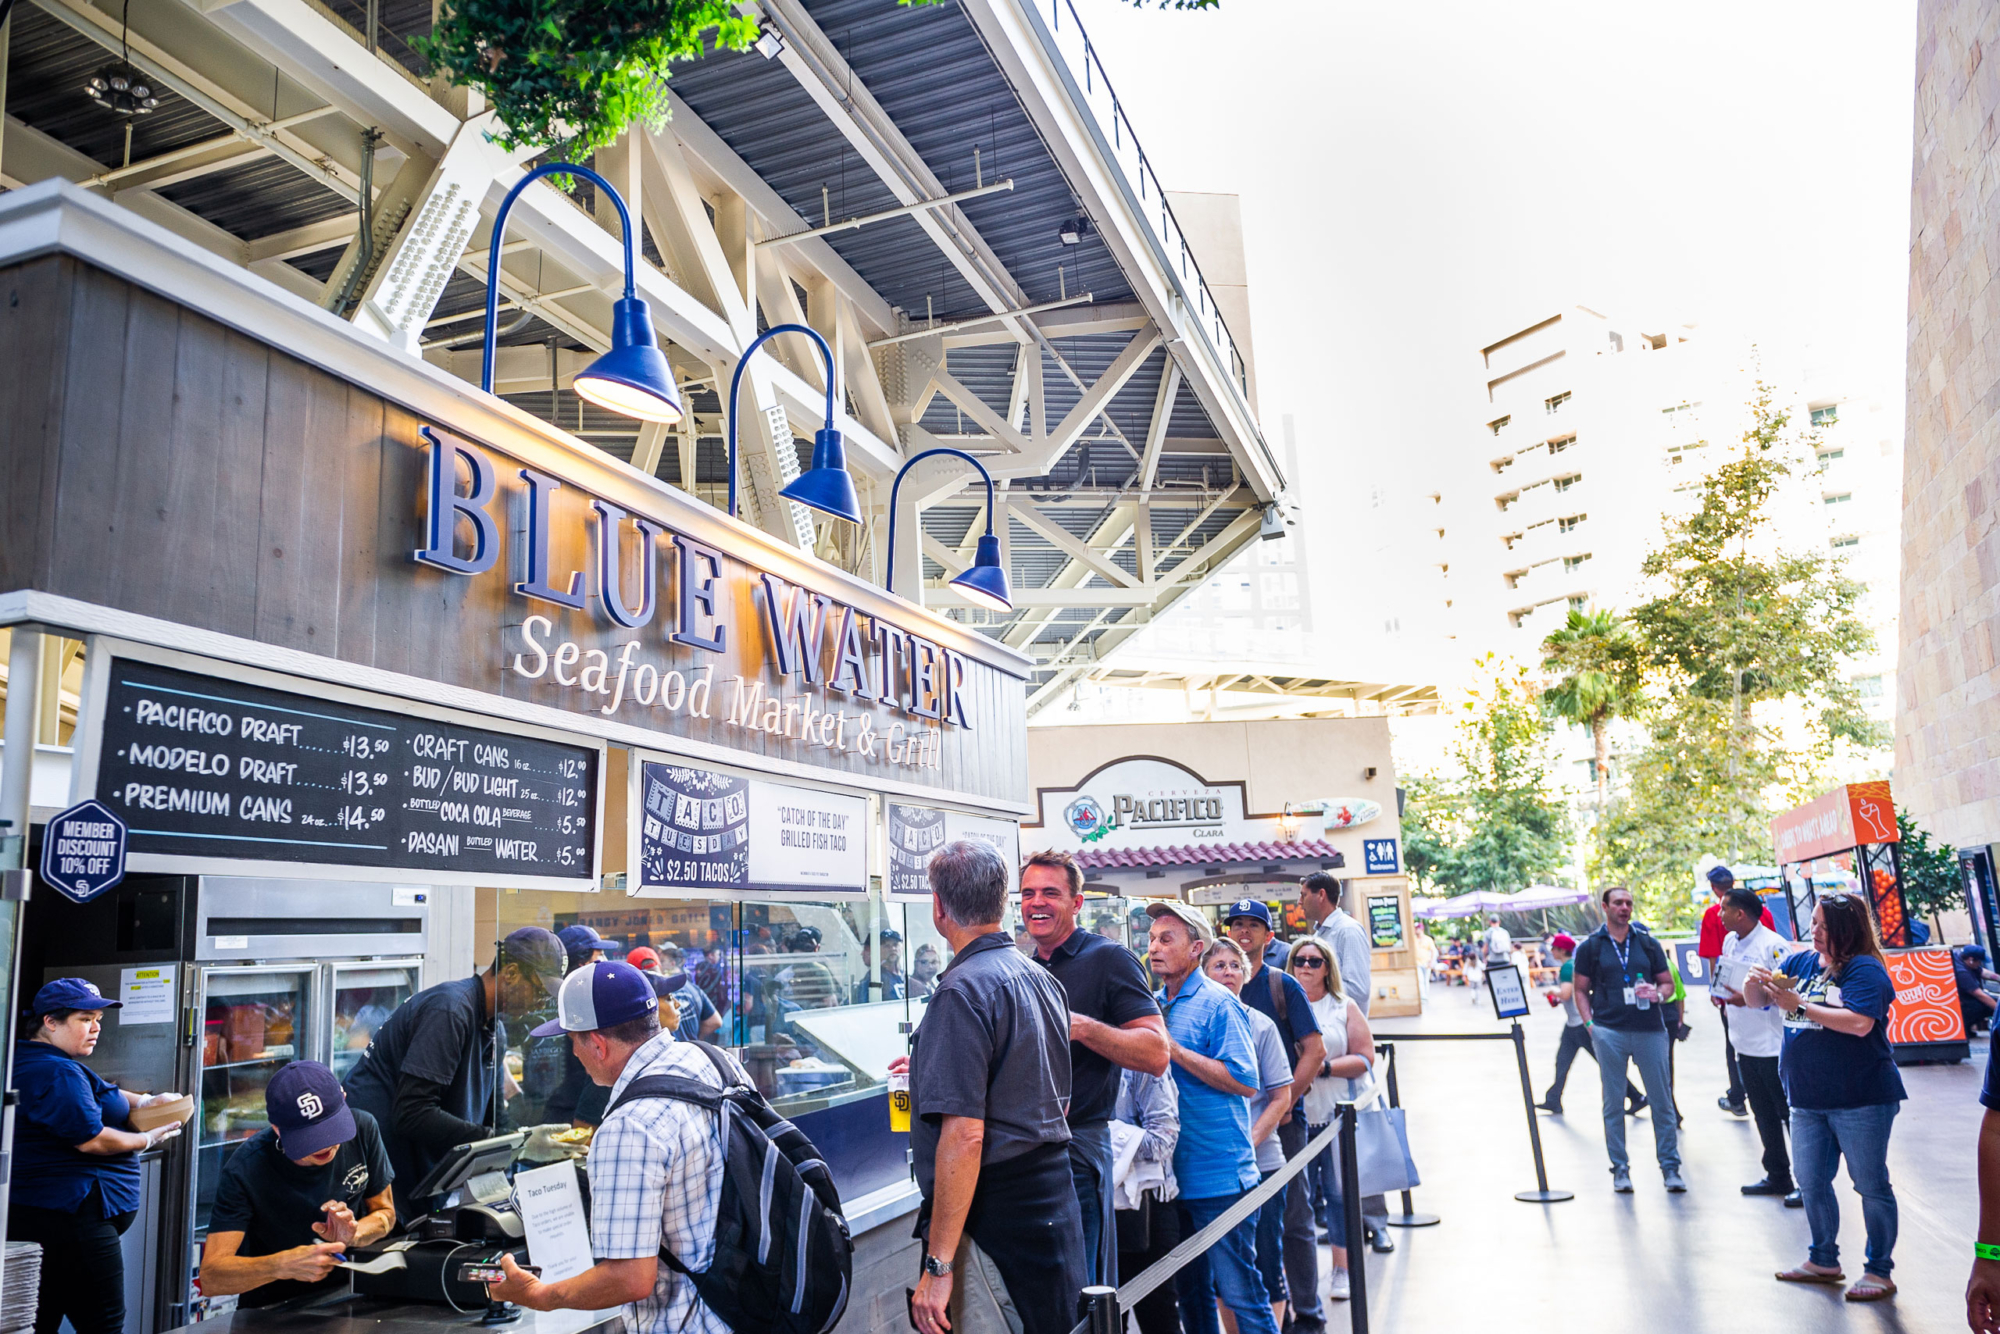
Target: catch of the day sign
{"type": "Point", "coordinates": [201, 767]}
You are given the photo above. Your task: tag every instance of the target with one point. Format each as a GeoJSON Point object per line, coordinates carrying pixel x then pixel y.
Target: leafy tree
{"type": "Point", "coordinates": [1738, 623]}
{"type": "Point", "coordinates": [1932, 883]}
{"type": "Point", "coordinates": [1596, 661]}
{"type": "Point", "coordinates": [1494, 821]}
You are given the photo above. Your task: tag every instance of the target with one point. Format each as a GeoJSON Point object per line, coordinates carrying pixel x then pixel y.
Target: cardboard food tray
{"type": "Point", "coordinates": [145, 1119]}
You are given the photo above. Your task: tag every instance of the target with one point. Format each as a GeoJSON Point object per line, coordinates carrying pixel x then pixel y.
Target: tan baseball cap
{"type": "Point", "coordinates": [1197, 921]}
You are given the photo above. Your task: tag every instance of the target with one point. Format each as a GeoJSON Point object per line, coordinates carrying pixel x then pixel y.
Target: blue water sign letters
{"type": "Point", "coordinates": [83, 851]}
{"type": "Point", "coordinates": [1380, 856]}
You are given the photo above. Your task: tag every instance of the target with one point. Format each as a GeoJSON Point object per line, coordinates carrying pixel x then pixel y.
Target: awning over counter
{"type": "Point", "coordinates": [1207, 854]}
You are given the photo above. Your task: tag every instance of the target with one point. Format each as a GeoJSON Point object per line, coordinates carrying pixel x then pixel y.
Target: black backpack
{"type": "Point", "coordinates": [783, 1260]}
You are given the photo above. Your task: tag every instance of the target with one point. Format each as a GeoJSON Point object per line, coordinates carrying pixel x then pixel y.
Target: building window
{"type": "Point", "coordinates": [1574, 563]}
{"type": "Point", "coordinates": [1556, 404]}
{"type": "Point", "coordinates": [1682, 406]}
{"type": "Point", "coordinates": [1499, 425]}
{"type": "Point", "coordinates": [1868, 687]}
{"type": "Point", "coordinates": [1558, 446]}
{"type": "Point", "coordinates": [1280, 591]}
{"type": "Point", "coordinates": [1577, 603]}
{"type": "Point", "coordinates": [1838, 498]}
{"type": "Point", "coordinates": [1826, 416]}
{"type": "Point", "coordinates": [1565, 483]}
{"type": "Point", "coordinates": [1569, 525]}
{"type": "Point", "coordinates": [1502, 465]}
{"type": "Point", "coordinates": [1849, 541]}
{"type": "Point", "coordinates": [1504, 501]}
{"type": "Point", "coordinates": [1827, 456]}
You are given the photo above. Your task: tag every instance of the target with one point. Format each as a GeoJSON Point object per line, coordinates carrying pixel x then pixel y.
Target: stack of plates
{"type": "Point", "coordinates": [19, 1286]}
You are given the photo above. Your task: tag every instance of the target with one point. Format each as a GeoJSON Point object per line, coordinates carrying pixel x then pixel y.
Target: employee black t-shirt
{"type": "Point", "coordinates": [1612, 967]}
{"type": "Point", "coordinates": [1299, 1022]}
{"type": "Point", "coordinates": [1103, 981]}
{"type": "Point", "coordinates": [442, 1035]}
{"type": "Point", "coordinates": [274, 1202]}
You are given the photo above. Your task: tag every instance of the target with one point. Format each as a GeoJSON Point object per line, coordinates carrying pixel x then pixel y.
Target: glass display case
{"type": "Point", "coordinates": [252, 1021]}
{"type": "Point", "coordinates": [364, 996]}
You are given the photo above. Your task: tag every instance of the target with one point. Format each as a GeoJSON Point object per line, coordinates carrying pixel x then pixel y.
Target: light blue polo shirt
{"type": "Point", "coordinates": [1212, 1157]}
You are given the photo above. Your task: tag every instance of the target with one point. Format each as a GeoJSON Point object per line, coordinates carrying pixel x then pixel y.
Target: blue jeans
{"type": "Point", "coordinates": [1819, 1140]}
{"type": "Point", "coordinates": [1647, 1050]}
{"type": "Point", "coordinates": [1271, 1244]}
{"type": "Point", "coordinates": [1090, 1163]}
{"type": "Point", "coordinates": [1229, 1268]}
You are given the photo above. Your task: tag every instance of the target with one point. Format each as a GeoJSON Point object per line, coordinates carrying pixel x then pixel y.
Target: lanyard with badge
{"type": "Point", "coordinates": [1625, 972]}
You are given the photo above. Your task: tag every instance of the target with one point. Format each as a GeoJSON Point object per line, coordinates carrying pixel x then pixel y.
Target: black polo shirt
{"type": "Point", "coordinates": [442, 1035]}
{"type": "Point", "coordinates": [1103, 981]}
{"type": "Point", "coordinates": [274, 1202]}
{"type": "Point", "coordinates": [994, 1044]}
{"type": "Point", "coordinates": [1299, 1022]}
{"type": "Point", "coordinates": [1611, 968]}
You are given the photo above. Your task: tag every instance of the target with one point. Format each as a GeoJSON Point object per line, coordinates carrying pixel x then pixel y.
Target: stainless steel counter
{"type": "Point", "coordinates": [376, 1315]}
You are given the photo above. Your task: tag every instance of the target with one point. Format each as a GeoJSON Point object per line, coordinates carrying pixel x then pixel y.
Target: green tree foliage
{"type": "Point", "coordinates": [573, 75]}
{"type": "Point", "coordinates": [1595, 661]}
{"type": "Point", "coordinates": [1931, 880]}
{"type": "Point", "coordinates": [1494, 820]}
{"type": "Point", "coordinates": [1739, 622]}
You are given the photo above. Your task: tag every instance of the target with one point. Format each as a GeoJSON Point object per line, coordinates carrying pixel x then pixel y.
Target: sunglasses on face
{"type": "Point", "coordinates": [1310, 962]}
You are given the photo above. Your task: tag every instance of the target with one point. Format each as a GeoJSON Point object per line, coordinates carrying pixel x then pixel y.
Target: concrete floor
{"type": "Point", "coordinates": [1700, 1261]}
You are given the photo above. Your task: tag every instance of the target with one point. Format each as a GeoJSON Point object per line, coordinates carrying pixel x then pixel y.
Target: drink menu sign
{"type": "Point", "coordinates": [202, 767]}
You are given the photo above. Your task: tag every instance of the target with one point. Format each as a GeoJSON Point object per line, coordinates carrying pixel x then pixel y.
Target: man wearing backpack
{"type": "Point", "coordinates": [655, 1164]}
{"type": "Point", "coordinates": [990, 1091]}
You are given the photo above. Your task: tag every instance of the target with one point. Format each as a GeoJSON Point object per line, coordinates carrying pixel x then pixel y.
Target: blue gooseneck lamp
{"type": "Point", "coordinates": [984, 584]}
{"type": "Point", "coordinates": [825, 486]}
{"type": "Point", "coordinates": [633, 378]}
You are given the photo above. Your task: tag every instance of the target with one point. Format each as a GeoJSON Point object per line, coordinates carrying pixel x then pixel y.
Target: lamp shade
{"type": "Point", "coordinates": [985, 584]}
{"type": "Point", "coordinates": [633, 378]}
{"type": "Point", "coordinates": [826, 486]}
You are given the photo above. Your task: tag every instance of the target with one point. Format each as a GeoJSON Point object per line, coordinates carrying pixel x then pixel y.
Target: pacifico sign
{"type": "Point", "coordinates": [696, 632]}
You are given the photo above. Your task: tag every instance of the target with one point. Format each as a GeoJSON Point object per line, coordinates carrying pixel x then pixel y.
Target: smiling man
{"type": "Point", "coordinates": [1114, 1025]}
{"type": "Point", "coordinates": [298, 1194]}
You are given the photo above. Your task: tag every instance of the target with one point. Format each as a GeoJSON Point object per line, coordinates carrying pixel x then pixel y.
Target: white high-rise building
{"type": "Point", "coordinates": [1588, 432]}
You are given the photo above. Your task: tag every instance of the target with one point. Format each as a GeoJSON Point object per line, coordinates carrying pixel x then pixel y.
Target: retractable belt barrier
{"type": "Point", "coordinates": [1102, 1307]}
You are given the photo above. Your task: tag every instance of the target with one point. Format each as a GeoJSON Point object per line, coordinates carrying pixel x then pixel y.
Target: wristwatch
{"type": "Point", "coordinates": [937, 1268]}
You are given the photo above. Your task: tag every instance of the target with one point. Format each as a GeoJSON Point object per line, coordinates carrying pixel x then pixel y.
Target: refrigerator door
{"type": "Point", "coordinates": [364, 995]}
{"type": "Point", "coordinates": [248, 1023]}
{"type": "Point", "coordinates": [137, 1049]}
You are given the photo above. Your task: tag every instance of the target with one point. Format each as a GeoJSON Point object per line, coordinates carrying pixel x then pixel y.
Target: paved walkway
{"type": "Point", "coordinates": [1696, 1262]}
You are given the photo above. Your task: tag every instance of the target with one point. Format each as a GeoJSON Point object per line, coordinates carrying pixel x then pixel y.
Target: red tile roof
{"type": "Point", "coordinates": [1206, 854]}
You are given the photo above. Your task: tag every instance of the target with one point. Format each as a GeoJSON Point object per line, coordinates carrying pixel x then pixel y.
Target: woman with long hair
{"type": "Point", "coordinates": [1344, 1077]}
{"type": "Point", "coordinates": [1842, 1084]}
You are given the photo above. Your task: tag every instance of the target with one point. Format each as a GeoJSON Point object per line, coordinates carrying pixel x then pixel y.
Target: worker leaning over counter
{"type": "Point", "coordinates": [76, 1161]}
{"type": "Point", "coordinates": [427, 1078]}
{"type": "Point", "coordinates": [297, 1194]}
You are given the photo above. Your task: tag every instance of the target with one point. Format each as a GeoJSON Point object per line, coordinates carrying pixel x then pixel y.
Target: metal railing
{"type": "Point", "coordinates": [1065, 38]}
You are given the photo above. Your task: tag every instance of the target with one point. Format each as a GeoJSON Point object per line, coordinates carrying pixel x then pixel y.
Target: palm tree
{"type": "Point", "coordinates": [1596, 662]}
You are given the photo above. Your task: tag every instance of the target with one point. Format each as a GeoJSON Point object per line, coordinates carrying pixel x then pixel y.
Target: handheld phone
{"type": "Point", "coordinates": [489, 1271]}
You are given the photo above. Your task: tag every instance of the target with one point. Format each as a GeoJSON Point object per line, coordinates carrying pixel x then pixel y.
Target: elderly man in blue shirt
{"type": "Point", "coordinates": [1215, 1072]}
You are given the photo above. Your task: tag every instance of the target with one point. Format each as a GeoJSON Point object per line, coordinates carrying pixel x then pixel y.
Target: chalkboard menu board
{"type": "Point", "coordinates": [202, 767]}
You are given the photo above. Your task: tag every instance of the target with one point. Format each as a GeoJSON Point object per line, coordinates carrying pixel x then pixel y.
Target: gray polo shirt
{"type": "Point", "coordinates": [994, 1044]}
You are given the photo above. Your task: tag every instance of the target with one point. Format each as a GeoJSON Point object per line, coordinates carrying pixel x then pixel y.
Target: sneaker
{"type": "Point", "coordinates": [1796, 1200]}
{"type": "Point", "coordinates": [1733, 1108]}
{"type": "Point", "coordinates": [1675, 1186]}
{"type": "Point", "coordinates": [1768, 1187]}
{"type": "Point", "coordinates": [1553, 1108]}
{"type": "Point", "coordinates": [1637, 1105]}
{"type": "Point", "coordinates": [1338, 1288]}
{"type": "Point", "coordinates": [1621, 1181]}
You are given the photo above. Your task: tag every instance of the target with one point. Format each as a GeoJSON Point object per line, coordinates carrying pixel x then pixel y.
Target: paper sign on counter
{"type": "Point", "coordinates": [550, 1202]}
{"type": "Point", "coordinates": [148, 994]}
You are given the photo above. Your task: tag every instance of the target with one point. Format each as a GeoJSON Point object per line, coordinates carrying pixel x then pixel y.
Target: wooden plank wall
{"type": "Point", "coordinates": [156, 461]}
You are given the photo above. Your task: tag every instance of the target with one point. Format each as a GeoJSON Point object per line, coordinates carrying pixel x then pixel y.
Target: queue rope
{"type": "Point", "coordinates": [1163, 1269]}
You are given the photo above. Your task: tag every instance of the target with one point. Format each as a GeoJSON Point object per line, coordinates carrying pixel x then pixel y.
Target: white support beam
{"type": "Point", "coordinates": [1024, 510]}
{"type": "Point", "coordinates": [1038, 460]}
{"type": "Point", "coordinates": [1156, 430]}
{"type": "Point", "coordinates": [314, 236]}
{"type": "Point", "coordinates": [32, 156]}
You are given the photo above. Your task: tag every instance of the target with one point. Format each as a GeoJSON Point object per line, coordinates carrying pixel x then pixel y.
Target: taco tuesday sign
{"type": "Point", "coordinates": [700, 634]}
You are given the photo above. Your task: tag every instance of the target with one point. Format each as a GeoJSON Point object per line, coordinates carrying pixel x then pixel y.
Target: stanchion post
{"type": "Point", "coordinates": [1098, 1309]}
{"type": "Point", "coordinates": [1409, 1217]}
{"type": "Point", "coordinates": [1350, 1207]}
{"type": "Point", "coordinates": [1541, 1194]}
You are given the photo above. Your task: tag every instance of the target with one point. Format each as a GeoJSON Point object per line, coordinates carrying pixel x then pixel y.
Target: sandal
{"type": "Point", "coordinates": [1871, 1288]}
{"type": "Point", "coordinates": [1804, 1275]}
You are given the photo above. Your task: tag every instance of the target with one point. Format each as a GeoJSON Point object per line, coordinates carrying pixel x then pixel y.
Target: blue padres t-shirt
{"type": "Point", "coordinates": [1824, 1070]}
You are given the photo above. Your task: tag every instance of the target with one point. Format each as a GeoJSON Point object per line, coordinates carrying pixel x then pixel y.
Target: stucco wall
{"type": "Point", "coordinates": [1947, 714]}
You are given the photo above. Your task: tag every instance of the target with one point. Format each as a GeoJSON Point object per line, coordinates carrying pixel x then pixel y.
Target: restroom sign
{"type": "Point", "coordinates": [83, 851]}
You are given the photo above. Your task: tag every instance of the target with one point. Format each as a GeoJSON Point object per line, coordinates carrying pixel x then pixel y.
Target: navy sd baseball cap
{"type": "Point", "coordinates": [1254, 909]}
{"type": "Point", "coordinates": [1721, 875]}
{"type": "Point", "coordinates": [70, 993]}
{"type": "Point", "coordinates": [308, 1109]}
{"type": "Point", "coordinates": [600, 995]}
